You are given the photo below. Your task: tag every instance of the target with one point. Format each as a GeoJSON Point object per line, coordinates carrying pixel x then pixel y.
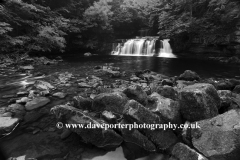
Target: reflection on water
{"type": "Point", "coordinates": [118, 155]}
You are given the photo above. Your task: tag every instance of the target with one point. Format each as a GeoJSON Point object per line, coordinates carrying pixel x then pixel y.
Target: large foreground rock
{"type": "Point", "coordinates": [7, 124]}
{"type": "Point", "coordinates": [218, 138]}
{"type": "Point", "coordinates": [136, 113]}
{"type": "Point", "coordinates": [36, 103]}
{"type": "Point", "coordinates": [98, 136]}
{"type": "Point", "coordinates": [135, 92]}
{"type": "Point", "coordinates": [199, 101]}
{"type": "Point", "coordinates": [189, 75]}
{"type": "Point", "coordinates": [113, 102]}
{"type": "Point", "coordinates": [166, 108]}
{"type": "Point", "coordinates": [183, 152]}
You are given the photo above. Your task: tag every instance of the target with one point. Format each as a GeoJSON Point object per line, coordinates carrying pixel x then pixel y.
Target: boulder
{"type": "Point", "coordinates": [166, 108]}
{"type": "Point", "coordinates": [183, 152]}
{"type": "Point", "coordinates": [60, 95]}
{"type": "Point", "coordinates": [99, 137]}
{"type": "Point", "coordinates": [36, 103]}
{"type": "Point", "coordinates": [223, 85]}
{"type": "Point", "coordinates": [218, 138]}
{"type": "Point", "coordinates": [168, 92]}
{"type": "Point", "coordinates": [136, 92]}
{"type": "Point", "coordinates": [82, 103]}
{"type": "Point", "coordinates": [189, 75]}
{"type": "Point", "coordinates": [237, 89]}
{"type": "Point", "coordinates": [137, 113]}
{"type": "Point", "coordinates": [181, 84]}
{"type": "Point", "coordinates": [225, 100]}
{"type": "Point", "coordinates": [42, 85]}
{"type": "Point", "coordinates": [7, 124]}
{"type": "Point", "coordinates": [113, 102]}
{"type": "Point", "coordinates": [199, 101]}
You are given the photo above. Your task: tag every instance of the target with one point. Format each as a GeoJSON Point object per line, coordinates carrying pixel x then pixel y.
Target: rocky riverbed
{"type": "Point", "coordinates": [108, 95]}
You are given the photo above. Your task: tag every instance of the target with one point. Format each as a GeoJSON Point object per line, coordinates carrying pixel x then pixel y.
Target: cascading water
{"type": "Point", "coordinates": [146, 46]}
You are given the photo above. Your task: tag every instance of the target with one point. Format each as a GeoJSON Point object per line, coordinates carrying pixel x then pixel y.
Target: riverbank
{"type": "Point", "coordinates": [33, 109]}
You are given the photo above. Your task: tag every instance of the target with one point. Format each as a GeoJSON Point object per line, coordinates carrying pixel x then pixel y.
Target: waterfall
{"type": "Point", "coordinates": [145, 46]}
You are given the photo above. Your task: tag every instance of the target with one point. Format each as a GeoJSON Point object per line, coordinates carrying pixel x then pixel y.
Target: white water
{"type": "Point", "coordinates": [144, 47]}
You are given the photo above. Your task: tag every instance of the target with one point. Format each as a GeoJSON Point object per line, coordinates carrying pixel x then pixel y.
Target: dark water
{"type": "Point", "coordinates": [166, 66]}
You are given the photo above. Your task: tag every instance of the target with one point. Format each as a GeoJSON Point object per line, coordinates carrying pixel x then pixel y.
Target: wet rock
{"type": "Point", "coordinates": [166, 108]}
{"type": "Point", "coordinates": [88, 54]}
{"type": "Point", "coordinates": [113, 102]}
{"type": "Point", "coordinates": [60, 95]}
{"type": "Point", "coordinates": [98, 136]}
{"type": "Point", "coordinates": [136, 92]}
{"type": "Point", "coordinates": [84, 85]}
{"type": "Point", "coordinates": [167, 82]}
{"type": "Point", "coordinates": [237, 89]}
{"type": "Point", "coordinates": [23, 100]}
{"type": "Point", "coordinates": [7, 124]}
{"type": "Point", "coordinates": [27, 67]}
{"type": "Point", "coordinates": [42, 85]}
{"type": "Point", "coordinates": [45, 93]}
{"type": "Point", "coordinates": [199, 101]}
{"type": "Point", "coordinates": [218, 138]}
{"type": "Point", "coordinates": [109, 117]}
{"type": "Point", "coordinates": [17, 109]}
{"type": "Point", "coordinates": [189, 75]}
{"type": "Point", "coordinates": [36, 103]}
{"type": "Point", "coordinates": [168, 92]}
{"type": "Point", "coordinates": [184, 152]}
{"type": "Point", "coordinates": [82, 103]}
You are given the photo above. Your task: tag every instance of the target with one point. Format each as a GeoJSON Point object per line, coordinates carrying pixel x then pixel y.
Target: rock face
{"type": "Point", "coordinates": [166, 108]}
{"type": "Point", "coordinates": [189, 76]}
{"type": "Point", "coordinates": [113, 102]}
{"type": "Point", "coordinates": [36, 103]}
{"type": "Point", "coordinates": [137, 113]}
{"type": "Point", "coordinates": [218, 138]}
{"type": "Point", "coordinates": [183, 152]}
{"type": "Point", "coordinates": [135, 92]}
{"type": "Point", "coordinates": [7, 124]}
{"type": "Point", "coordinates": [98, 136]}
{"type": "Point", "coordinates": [199, 101]}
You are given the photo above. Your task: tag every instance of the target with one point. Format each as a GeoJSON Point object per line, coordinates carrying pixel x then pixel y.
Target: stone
{"type": "Point", "coordinates": [167, 82]}
{"type": "Point", "coordinates": [82, 103]}
{"type": "Point", "coordinates": [114, 74]}
{"type": "Point", "coordinates": [166, 108]}
{"type": "Point", "coordinates": [237, 89]}
{"type": "Point", "coordinates": [136, 92]}
{"type": "Point", "coordinates": [98, 136]}
{"type": "Point", "coordinates": [137, 113]}
{"type": "Point", "coordinates": [168, 92]}
{"type": "Point", "coordinates": [23, 93]}
{"type": "Point", "coordinates": [113, 102]}
{"type": "Point", "coordinates": [17, 109]}
{"type": "Point", "coordinates": [109, 117]}
{"type": "Point", "coordinates": [43, 85]}
{"type": "Point", "coordinates": [37, 103]}
{"type": "Point", "coordinates": [223, 85]}
{"type": "Point", "coordinates": [84, 85]}
{"type": "Point", "coordinates": [7, 124]}
{"type": "Point", "coordinates": [189, 75]}
{"type": "Point", "coordinates": [218, 138]}
{"type": "Point", "coordinates": [30, 67]}
{"type": "Point", "coordinates": [181, 84]}
{"type": "Point", "coordinates": [184, 152]}
{"type": "Point", "coordinates": [8, 96]}
{"type": "Point", "coordinates": [23, 100]}
{"type": "Point", "coordinates": [199, 101]}
{"type": "Point", "coordinates": [60, 95]}
{"type": "Point", "coordinates": [225, 100]}
{"type": "Point", "coordinates": [88, 54]}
